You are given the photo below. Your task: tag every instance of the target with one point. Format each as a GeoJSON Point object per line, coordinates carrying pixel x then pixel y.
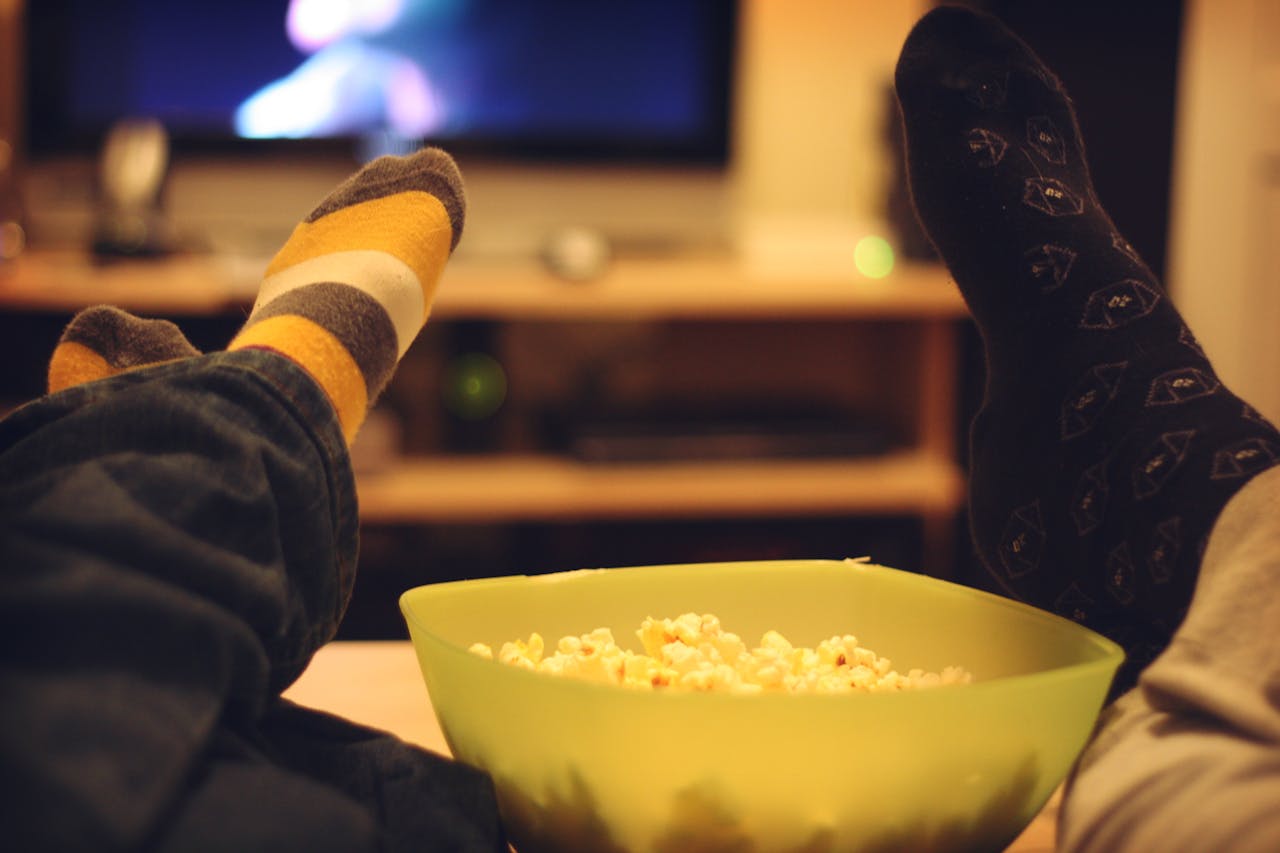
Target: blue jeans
{"type": "Point", "coordinates": [175, 544]}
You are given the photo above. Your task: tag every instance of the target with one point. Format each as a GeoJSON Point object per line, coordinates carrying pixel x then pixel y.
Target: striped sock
{"type": "Point", "coordinates": [354, 283]}
{"type": "Point", "coordinates": [103, 341]}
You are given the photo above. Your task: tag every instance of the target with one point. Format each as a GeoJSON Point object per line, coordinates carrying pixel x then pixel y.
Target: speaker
{"type": "Point", "coordinates": [130, 219]}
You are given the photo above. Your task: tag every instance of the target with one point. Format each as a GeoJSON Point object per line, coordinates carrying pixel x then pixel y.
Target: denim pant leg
{"type": "Point", "coordinates": [175, 544]}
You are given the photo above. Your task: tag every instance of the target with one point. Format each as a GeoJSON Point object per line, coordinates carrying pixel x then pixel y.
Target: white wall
{"type": "Point", "coordinates": [810, 163]}
{"type": "Point", "coordinates": [1224, 269]}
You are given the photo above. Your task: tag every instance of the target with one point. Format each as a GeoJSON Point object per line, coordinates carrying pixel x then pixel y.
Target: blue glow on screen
{"type": "Point", "coordinates": [527, 70]}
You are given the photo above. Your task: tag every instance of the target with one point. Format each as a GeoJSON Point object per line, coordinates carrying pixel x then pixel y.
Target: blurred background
{"type": "Point", "coordinates": [692, 317]}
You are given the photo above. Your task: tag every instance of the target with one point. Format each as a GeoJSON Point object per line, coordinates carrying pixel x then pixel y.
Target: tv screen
{"type": "Point", "coordinates": [626, 79]}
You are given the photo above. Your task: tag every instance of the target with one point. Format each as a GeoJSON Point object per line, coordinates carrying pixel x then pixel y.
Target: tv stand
{"type": "Point", "coordinates": [703, 324]}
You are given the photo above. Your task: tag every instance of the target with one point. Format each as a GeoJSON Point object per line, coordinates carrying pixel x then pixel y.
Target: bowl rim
{"type": "Point", "coordinates": [1110, 655]}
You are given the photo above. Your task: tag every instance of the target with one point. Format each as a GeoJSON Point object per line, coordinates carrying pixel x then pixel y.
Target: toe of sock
{"type": "Point", "coordinates": [125, 340]}
{"type": "Point", "coordinates": [429, 170]}
{"type": "Point", "coordinates": [953, 48]}
{"type": "Point", "coordinates": [103, 340]}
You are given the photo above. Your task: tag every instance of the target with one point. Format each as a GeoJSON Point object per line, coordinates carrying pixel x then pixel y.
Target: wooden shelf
{"type": "Point", "coordinates": [68, 281]}
{"type": "Point", "coordinates": [711, 286]}
{"type": "Point", "coordinates": [506, 488]}
{"type": "Point", "coordinates": [698, 287]}
{"type": "Point", "coordinates": [924, 481]}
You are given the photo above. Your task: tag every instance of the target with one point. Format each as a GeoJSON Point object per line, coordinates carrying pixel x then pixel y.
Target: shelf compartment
{"type": "Point", "coordinates": [510, 488]}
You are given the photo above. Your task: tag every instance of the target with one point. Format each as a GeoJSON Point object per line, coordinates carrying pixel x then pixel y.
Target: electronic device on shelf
{"type": "Point", "coordinates": [720, 431]}
{"type": "Point", "coordinates": [129, 221]}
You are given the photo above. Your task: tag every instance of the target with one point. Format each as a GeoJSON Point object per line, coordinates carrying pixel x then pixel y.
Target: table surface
{"type": "Point", "coordinates": [377, 683]}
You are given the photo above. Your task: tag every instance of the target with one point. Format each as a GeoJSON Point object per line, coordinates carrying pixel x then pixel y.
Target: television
{"type": "Point", "coordinates": [562, 113]}
{"type": "Point", "coordinates": [630, 80]}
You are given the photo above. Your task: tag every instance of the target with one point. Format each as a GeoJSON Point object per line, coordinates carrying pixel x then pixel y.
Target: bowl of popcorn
{"type": "Point", "coordinates": [786, 705]}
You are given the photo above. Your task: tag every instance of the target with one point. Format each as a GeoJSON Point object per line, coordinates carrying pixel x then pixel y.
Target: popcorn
{"type": "Point", "coordinates": [694, 652]}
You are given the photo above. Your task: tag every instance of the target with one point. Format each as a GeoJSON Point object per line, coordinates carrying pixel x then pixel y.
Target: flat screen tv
{"type": "Point", "coordinates": [624, 80]}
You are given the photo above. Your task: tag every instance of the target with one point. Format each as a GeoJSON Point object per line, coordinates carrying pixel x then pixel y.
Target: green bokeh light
{"type": "Point", "coordinates": [475, 386]}
{"type": "Point", "coordinates": [873, 256]}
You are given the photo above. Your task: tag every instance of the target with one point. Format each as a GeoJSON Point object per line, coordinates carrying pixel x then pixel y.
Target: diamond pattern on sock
{"type": "Point", "coordinates": [1157, 465]}
{"type": "Point", "coordinates": [1120, 244]}
{"type": "Point", "coordinates": [1119, 304]}
{"type": "Point", "coordinates": [987, 147]}
{"type": "Point", "coordinates": [1189, 340]}
{"type": "Point", "coordinates": [1181, 386]}
{"type": "Point", "coordinates": [1045, 140]}
{"type": "Point", "coordinates": [1165, 546]}
{"type": "Point", "coordinates": [1050, 264]}
{"type": "Point", "coordinates": [1074, 604]}
{"type": "Point", "coordinates": [1051, 196]}
{"type": "Point", "coordinates": [1089, 398]}
{"type": "Point", "coordinates": [1244, 459]}
{"type": "Point", "coordinates": [1121, 574]}
{"type": "Point", "coordinates": [1090, 501]}
{"type": "Point", "coordinates": [1022, 543]}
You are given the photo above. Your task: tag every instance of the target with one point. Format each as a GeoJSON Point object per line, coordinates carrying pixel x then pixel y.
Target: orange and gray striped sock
{"type": "Point", "coordinates": [103, 341]}
{"type": "Point", "coordinates": [353, 285]}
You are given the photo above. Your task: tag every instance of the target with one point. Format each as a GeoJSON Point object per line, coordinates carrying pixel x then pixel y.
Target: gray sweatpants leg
{"type": "Point", "coordinates": [1189, 760]}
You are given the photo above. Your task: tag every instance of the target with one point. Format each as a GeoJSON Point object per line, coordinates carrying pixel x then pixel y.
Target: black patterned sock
{"type": "Point", "coordinates": [1105, 446]}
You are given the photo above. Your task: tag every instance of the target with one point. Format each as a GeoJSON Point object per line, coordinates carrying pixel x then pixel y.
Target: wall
{"type": "Point", "coordinates": [1226, 216]}
{"type": "Point", "coordinates": [810, 156]}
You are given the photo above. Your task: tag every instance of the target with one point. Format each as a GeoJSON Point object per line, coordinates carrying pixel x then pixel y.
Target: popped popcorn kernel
{"type": "Point", "coordinates": [521, 653]}
{"type": "Point", "coordinates": [694, 652]}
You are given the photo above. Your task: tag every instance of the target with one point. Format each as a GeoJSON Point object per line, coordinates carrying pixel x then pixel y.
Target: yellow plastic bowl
{"type": "Point", "coordinates": [591, 767]}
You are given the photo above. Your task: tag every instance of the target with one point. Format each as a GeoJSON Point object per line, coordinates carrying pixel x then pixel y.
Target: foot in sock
{"type": "Point", "coordinates": [1106, 445]}
{"type": "Point", "coordinates": [103, 341]}
{"type": "Point", "coordinates": [344, 298]}
{"type": "Point", "coordinates": [353, 285]}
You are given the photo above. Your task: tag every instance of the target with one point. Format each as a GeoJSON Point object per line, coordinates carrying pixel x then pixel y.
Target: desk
{"type": "Point", "coordinates": [378, 683]}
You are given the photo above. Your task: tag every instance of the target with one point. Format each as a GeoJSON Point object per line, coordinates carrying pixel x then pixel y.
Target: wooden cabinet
{"type": "Point", "coordinates": [888, 345]}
